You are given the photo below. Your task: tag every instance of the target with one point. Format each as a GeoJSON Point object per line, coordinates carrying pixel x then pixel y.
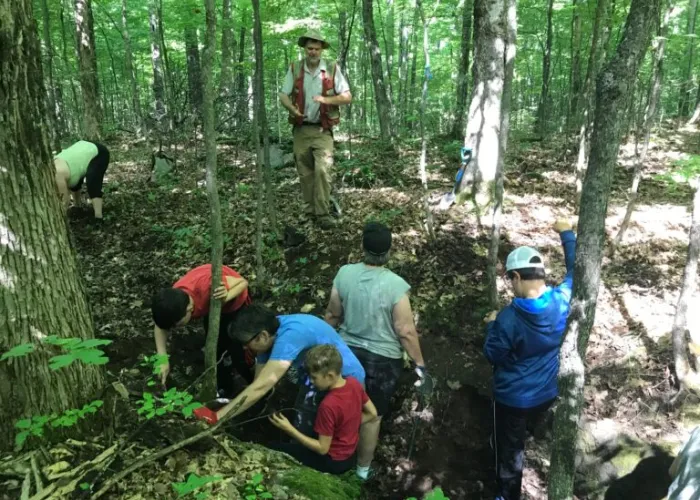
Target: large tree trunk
{"type": "Point", "coordinates": [208, 390]}
{"type": "Point", "coordinates": [687, 375]}
{"type": "Point", "coordinates": [614, 84]}
{"type": "Point", "coordinates": [459, 125]}
{"type": "Point", "coordinates": [41, 291]}
{"type": "Point", "coordinates": [687, 81]}
{"type": "Point", "coordinates": [543, 107]}
{"type": "Point", "coordinates": [159, 109]}
{"type": "Point", "coordinates": [484, 125]}
{"type": "Point", "coordinates": [131, 74]}
{"type": "Point", "coordinates": [262, 115]}
{"type": "Point", "coordinates": [650, 114]}
{"type": "Point", "coordinates": [575, 75]}
{"type": "Point", "coordinates": [510, 21]}
{"type": "Point", "coordinates": [601, 14]}
{"type": "Point", "coordinates": [56, 126]}
{"type": "Point", "coordinates": [85, 40]}
{"type": "Point", "coordinates": [194, 72]}
{"type": "Point", "coordinates": [380, 93]}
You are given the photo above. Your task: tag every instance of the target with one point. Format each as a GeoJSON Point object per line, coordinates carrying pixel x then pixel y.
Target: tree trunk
{"type": "Point", "coordinates": [423, 137]}
{"type": "Point", "coordinates": [687, 375]}
{"type": "Point", "coordinates": [131, 75]}
{"type": "Point", "coordinates": [542, 108]}
{"type": "Point", "coordinates": [56, 126]}
{"type": "Point", "coordinates": [575, 75]}
{"type": "Point", "coordinates": [380, 93]}
{"type": "Point", "coordinates": [687, 81]}
{"type": "Point", "coordinates": [510, 21]}
{"type": "Point", "coordinates": [85, 40]}
{"type": "Point", "coordinates": [159, 109]}
{"type": "Point", "coordinates": [483, 127]}
{"type": "Point", "coordinates": [460, 123]}
{"type": "Point", "coordinates": [227, 50]}
{"type": "Point", "coordinates": [208, 390]}
{"type": "Point", "coordinates": [258, 98]}
{"type": "Point", "coordinates": [403, 71]}
{"type": "Point", "coordinates": [68, 70]}
{"type": "Point", "coordinates": [586, 93]}
{"type": "Point", "coordinates": [389, 49]}
{"type": "Point", "coordinates": [614, 84]}
{"type": "Point", "coordinates": [241, 93]}
{"type": "Point", "coordinates": [410, 95]}
{"type": "Point", "coordinates": [262, 128]}
{"type": "Point", "coordinates": [696, 113]}
{"type": "Point", "coordinates": [41, 290]}
{"type": "Point", "coordinates": [650, 114]}
{"type": "Point", "coordinates": [194, 72]}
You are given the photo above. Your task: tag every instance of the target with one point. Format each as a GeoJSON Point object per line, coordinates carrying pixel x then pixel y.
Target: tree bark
{"type": "Point", "coordinates": [601, 15]}
{"type": "Point", "coordinates": [68, 70]}
{"type": "Point", "coordinates": [380, 92]}
{"type": "Point", "coordinates": [159, 110]}
{"type": "Point", "coordinates": [41, 291]}
{"type": "Point", "coordinates": [227, 50]}
{"type": "Point", "coordinates": [241, 93]}
{"type": "Point", "coordinates": [614, 84]}
{"type": "Point", "coordinates": [460, 122]}
{"type": "Point", "coordinates": [194, 71]}
{"type": "Point", "coordinates": [410, 95]}
{"type": "Point", "coordinates": [484, 125]}
{"type": "Point", "coordinates": [56, 126]}
{"type": "Point", "coordinates": [650, 114]}
{"type": "Point", "coordinates": [262, 128]}
{"type": "Point", "coordinates": [87, 62]}
{"type": "Point", "coordinates": [403, 71]}
{"type": "Point", "coordinates": [687, 81]}
{"type": "Point", "coordinates": [131, 74]}
{"type": "Point", "coordinates": [258, 98]}
{"type": "Point", "coordinates": [687, 375]}
{"type": "Point", "coordinates": [510, 21]}
{"type": "Point", "coordinates": [543, 107]}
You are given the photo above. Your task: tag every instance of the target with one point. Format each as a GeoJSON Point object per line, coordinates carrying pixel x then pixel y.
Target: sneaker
{"type": "Point", "coordinates": [327, 222]}
{"type": "Point", "coordinates": [370, 473]}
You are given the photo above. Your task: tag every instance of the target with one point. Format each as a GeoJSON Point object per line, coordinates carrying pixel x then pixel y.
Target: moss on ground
{"type": "Point", "coordinates": [315, 485]}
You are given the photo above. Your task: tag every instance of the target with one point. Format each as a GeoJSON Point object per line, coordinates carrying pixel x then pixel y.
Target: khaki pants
{"type": "Point", "coordinates": [313, 153]}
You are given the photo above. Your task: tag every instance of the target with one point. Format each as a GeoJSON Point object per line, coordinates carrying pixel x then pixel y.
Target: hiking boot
{"type": "Point", "coordinates": [327, 222]}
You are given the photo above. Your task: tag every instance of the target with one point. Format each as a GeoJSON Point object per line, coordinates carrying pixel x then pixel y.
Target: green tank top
{"type": "Point", "coordinates": [78, 157]}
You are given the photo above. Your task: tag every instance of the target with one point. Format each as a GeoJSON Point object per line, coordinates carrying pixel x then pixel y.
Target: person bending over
{"type": "Point", "coordinates": [83, 161]}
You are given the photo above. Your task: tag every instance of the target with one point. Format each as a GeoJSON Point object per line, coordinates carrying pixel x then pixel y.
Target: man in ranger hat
{"type": "Point", "coordinates": [312, 91]}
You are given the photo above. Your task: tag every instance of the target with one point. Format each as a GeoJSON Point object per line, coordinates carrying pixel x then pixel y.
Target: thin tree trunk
{"type": "Point", "coordinates": [403, 70]}
{"type": "Point", "coordinates": [410, 95]}
{"type": "Point", "coordinates": [687, 375]}
{"type": "Point", "coordinates": [423, 137]}
{"type": "Point", "coordinates": [68, 70]}
{"type": "Point", "coordinates": [41, 291]}
{"type": "Point", "coordinates": [542, 108]}
{"type": "Point", "coordinates": [241, 94]}
{"type": "Point", "coordinates": [575, 75]}
{"type": "Point", "coordinates": [208, 390]}
{"type": "Point", "coordinates": [262, 115]}
{"type": "Point", "coordinates": [613, 85]}
{"type": "Point", "coordinates": [380, 93]}
{"type": "Point", "coordinates": [131, 74]}
{"type": "Point", "coordinates": [650, 114]}
{"type": "Point", "coordinates": [483, 127]}
{"type": "Point", "coordinates": [56, 125]}
{"type": "Point", "coordinates": [687, 81]}
{"type": "Point", "coordinates": [227, 50]}
{"type": "Point", "coordinates": [159, 109]}
{"type": "Point", "coordinates": [696, 113]}
{"type": "Point", "coordinates": [259, 155]}
{"type": "Point", "coordinates": [389, 50]}
{"type": "Point", "coordinates": [85, 40]}
{"type": "Point", "coordinates": [510, 22]}
{"type": "Point", "coordinates": [194, 72]}
{"type": "Point", "coordinates": [460, 122]}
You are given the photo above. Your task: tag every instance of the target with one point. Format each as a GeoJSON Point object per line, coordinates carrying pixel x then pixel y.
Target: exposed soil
{"type": "Point", "coordinates": [153, 234]}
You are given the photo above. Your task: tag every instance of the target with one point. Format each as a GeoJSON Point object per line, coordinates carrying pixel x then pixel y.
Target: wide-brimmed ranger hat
{"type": "Point", "coordinates": [312, 35]}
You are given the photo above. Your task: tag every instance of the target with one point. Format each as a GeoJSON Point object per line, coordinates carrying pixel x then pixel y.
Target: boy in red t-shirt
{"type": "Point", "coordinates": [345, 407]}
{"type": "Point", "coordinates": [188, 299]}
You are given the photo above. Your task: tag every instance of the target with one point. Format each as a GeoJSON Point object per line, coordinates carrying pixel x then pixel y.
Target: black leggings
{"type": "Point", "coordinates": [322, 463]}
{"type": "Point", "coordinates": [95, 173]}
{"type": "Point", "coordinates": [224, 376]}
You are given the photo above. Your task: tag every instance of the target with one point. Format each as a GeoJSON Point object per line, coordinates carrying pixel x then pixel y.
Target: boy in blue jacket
{"type": "Point", "coordinates": [522, 344]}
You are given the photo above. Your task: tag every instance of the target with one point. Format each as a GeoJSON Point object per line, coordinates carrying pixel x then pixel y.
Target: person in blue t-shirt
{"type": "Point", "coordinates": [280, 344]}
{"type": "Point", "coordinates": [522, 344]}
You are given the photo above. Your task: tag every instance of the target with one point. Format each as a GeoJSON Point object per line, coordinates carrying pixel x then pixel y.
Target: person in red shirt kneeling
{"type": "Point", "coordinates": [189, 299]}
{"type": "Point", "coordinates": [345, 407]}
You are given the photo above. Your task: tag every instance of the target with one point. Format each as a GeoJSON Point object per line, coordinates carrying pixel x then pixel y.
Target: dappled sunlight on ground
{"type": "Point", "coordinates": [658, 222]}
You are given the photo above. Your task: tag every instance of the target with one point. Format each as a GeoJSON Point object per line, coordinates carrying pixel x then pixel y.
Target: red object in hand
{"type": "Point", "coordinates": [207, 415]}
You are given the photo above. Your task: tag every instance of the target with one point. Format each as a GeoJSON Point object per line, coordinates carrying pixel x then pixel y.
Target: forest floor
{"type": "Point", "coordinates": [153, 234]}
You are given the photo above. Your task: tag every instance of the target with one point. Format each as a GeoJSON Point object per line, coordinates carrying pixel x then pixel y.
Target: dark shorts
{"type": "Point", "coordinates": [95, 173]}
{"type": "Point", "coordinates": [381, 377]}
{"type": "Point", "coordinates": [322, 463]}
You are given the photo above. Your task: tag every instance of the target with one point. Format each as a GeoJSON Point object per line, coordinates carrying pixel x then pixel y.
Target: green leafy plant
{"type": "Point", "coordinates": [76, 350]}
{"type": "Point", "coordinates": [193, 483]}
{"type": "Point", "coordinates": [254, 489]}
{"type": "Point", "coordinates": [35, 426]}
{"type": "Point", "coordinates": [436, 494]}
{"type": "Point", "coordinates": [302, 260]}
{"type": "Point", "coordinates": [172, 400]}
